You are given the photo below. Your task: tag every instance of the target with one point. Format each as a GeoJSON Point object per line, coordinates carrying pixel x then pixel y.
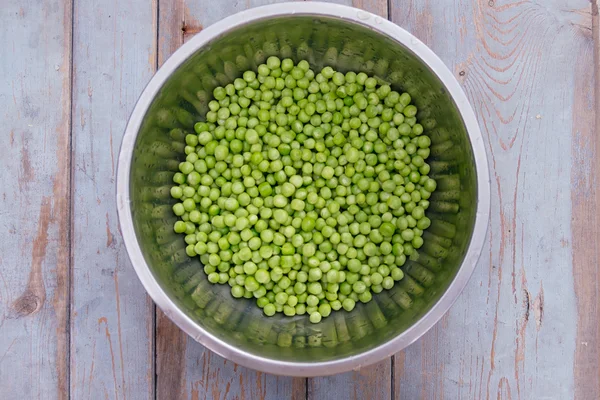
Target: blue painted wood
{"type": "Point", "coordinates": [35, 106]}
{"type": "Point", "coordinates": [184, 367]}
{"type": "Point", "coordinates": [515, 332]}
{"type": "Point", "coordinates": [112, 318]}
{"type": "Point", "coordinates": [75, 321]}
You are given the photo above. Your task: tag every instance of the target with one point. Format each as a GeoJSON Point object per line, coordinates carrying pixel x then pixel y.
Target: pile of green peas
{"type": "Point", "coordinates": [304, 190]}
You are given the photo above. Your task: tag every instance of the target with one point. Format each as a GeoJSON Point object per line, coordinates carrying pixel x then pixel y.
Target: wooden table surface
{"type": "Point", "coordinates": [74, 319]}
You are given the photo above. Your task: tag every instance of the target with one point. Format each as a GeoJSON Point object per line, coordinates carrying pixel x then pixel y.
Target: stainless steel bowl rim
{"type": "Point", "coordinates": [214, 343]}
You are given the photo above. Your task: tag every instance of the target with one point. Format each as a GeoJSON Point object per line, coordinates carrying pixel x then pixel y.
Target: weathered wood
{"type": "Point", "coordinates": [35, 99]}
{"type": "Point", "coordinates": [527, 69]}
{"type": "Point", "coordinates": [112, 319]}
{"type": "Point", "coordinates": [525, 328]}
{"type": "Point", "coordinates": [373, 381]}
{"type": "Point", "coordinates": [585, 200]}
{"type": "Point", "coordinates": [379, 7]}
{"type": "Point", "coordinates": [185, 369]}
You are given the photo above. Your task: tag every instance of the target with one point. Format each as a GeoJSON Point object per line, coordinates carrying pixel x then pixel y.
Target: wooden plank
{"type": "Point", "coordinates": [379, 7]}
{"type": "Point", "coordinates": [374, 381]}
{"type": "Point", "coordinates": [371, 382]}
{"type": "Point", "coordinates": [510, 335]}
{"type": "Point", "coordinates": [35, 99]}
{"type": "Point", "coordinates": [112, 318]}
{"type": "Point", "coordinates": [185, 369]}
{"type": "Point", "coordinates": [585, 198]}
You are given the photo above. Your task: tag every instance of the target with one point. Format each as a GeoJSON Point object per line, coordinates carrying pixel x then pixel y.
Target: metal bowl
{"type": "Point", "coordinates": [347, 39]}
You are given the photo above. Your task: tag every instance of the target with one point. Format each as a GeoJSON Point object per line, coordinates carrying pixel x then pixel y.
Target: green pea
{"type": "Point", "coordinates": [304, 191]}
{"type": "Point", "coordinates": [348, 304]}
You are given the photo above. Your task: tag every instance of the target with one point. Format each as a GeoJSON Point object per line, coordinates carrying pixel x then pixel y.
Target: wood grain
{"type": "Point", "coordinates": [373, 381]}
{"type": "Point", "coordinates": [585, 198]}
{"type": "Point", "coordinates": [185, 369]}
{"type": "Point", "coordinates": [511, 334]}
{"type": "Point", "coordinates": [171, 342]}
{"type": "Point", "coordinates": [35, 99]}
{"type": "Point", "coordinates": [75, 321]}
{"type": "Point", "coordinates": [112, 319]}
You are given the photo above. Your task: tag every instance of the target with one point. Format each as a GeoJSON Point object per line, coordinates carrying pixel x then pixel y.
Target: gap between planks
{"type": "Point", "coordinates": [70, 200]}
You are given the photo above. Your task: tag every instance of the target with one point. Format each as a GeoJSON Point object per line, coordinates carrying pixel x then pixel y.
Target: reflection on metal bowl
{"type": "Point", "coordinates": [346, 39]}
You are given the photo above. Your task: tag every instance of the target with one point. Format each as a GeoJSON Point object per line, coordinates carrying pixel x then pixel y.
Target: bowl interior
{"type": "Point", "coordinates": [182, 101]}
